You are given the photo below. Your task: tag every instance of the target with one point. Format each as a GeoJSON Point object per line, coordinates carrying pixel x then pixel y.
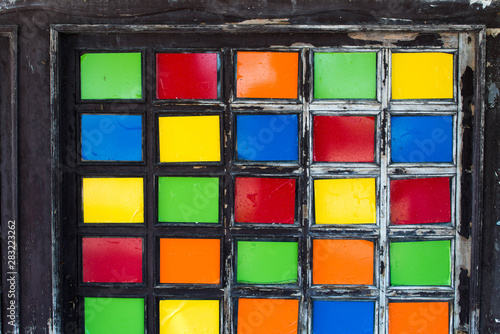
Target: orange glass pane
{"type": "Point", "coordinates": [190, 261]}
{"type": "Point", "coordinates": [419, 317]}
{"type": "Point", "coordinates": [265, 75]}
{"type": "Point", "coordinates": [342, 262]}
{"type": "Point", "coordinates": [265, 316]}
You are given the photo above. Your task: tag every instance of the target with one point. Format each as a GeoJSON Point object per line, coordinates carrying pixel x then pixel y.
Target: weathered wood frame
{"type": "Point", "coordinates": [9, 320]}
{"type": "Point", "coordinates": [467, 171]}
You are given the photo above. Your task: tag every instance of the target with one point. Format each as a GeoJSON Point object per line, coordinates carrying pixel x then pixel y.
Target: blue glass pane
{"type": "Point", "coordinates": [267, 137]}
{"type": "Point", "coordinates": [343, 317]}
{"type": "Point", "coordinates": [111, 138]}
{"type": "Point", "coordinates": [422, 139]}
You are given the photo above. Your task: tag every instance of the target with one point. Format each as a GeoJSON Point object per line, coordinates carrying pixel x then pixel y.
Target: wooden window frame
{"type": "Point", "coordinates": [470, 43]}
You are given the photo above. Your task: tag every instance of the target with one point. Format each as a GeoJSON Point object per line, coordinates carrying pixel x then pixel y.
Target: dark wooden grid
{"type": "Point", "coordinates": [227, 42]}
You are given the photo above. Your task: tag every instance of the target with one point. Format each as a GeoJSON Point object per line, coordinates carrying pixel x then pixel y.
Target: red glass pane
{"type": "Point", "coordinates": [420, 201]}
{"type": "Point", "coordinates": [186, 75]}
{"type": "Point", "coordinates": [264, 200]}
{"type": "Point", "coordinates": [112, 260]}
{"type": "Point", "coordinates": [343, 139]}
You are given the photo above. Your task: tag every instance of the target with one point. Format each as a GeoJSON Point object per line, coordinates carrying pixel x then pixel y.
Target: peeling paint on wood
{"type": "Point", "coordinates": [493, 95]}
{"type": "Point", "coordinates": [445, 40]}
{"type": "Point", "coordinates": [411, 38]}
{"type": "Point", "coordinates": [264, 21]}
{"type": "Point", "coordinates": [492, 32]}
{"type": "Point", "coordinates": [483, 3]}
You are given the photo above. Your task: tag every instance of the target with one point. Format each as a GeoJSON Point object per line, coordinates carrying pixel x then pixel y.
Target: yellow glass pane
{"type": "Point", "coordinates": [345, 201]}
{"type": "Point", "coordinates": [422, 75]}
{"type": "Point", "coordinates": [189, 316]}
{"type": "Point", "coordinates": [113, 200]}
{"type": "Point", "coordinates": [189, 138]}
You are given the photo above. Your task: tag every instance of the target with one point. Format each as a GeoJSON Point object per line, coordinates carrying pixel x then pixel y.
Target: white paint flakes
{"type": "Point", "coordinates": [492, 32]}
{"type": "Point", "coordinates": [484, 3]}
{"type": "Point", "coordinates": [493, 95]}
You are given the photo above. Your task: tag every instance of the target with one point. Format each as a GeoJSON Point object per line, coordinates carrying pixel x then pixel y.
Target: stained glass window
{"type": "Point", "coordinates": [265, 189]}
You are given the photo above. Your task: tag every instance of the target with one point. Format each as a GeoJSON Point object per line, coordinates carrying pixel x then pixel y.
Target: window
{"type": "Point", "coordinates": [244, 180]}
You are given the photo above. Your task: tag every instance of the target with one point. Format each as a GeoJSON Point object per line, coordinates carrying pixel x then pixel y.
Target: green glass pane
{"type": "Point", "coordinates": [264, 262]}
{"type": "Point", "coordinates": [114, 315]}
{"type": "Point", "coordinates": [111, 76]}
{"type": "Point", "coordinates": [421, 263]}
{"type": "Point", "coordinates": [345, 75]}
{"type": "Point", "coordinates": [188, 199]}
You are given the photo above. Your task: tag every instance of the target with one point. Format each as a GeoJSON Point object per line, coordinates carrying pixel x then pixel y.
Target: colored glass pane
{"type": "Point", "coordinates": [267, 75]}
{"type": "Point", "coordinates": [190, 261]}
{"type": "Point", "coordinates": [114, 315]}
{"type": "Point", "coordinates": [113, 200]}
{"type": "Point", "coordinates": [347, 317]}
{"type": "Point", "coordinates": [342, 262]}
{"type": "Point", "coordinates": [345, 75]}
{"type": "Point", "coordinates": [419, 317]}
{"type": "Point", "coordinates": [267, 316]}
{"type": "Point", "coordinates": [267, 262]}
{"type": "Point", "coordinates": [267, 137]}
{"type": "Point", "coordinates": [188, 199]}
{"type": "Point", "coordinates": [422, 139]}
{"type": "Point", "coordinates": [422, 75]}
{"type": "Point", "coordinates": [420, 201]}
{"type": "Point", "coordinates": [111, 76]}
{"type": "Point", "coordinates": [420, 263]}
{"type": "Point", "coordinates": [264, 200]}
{"type": "Point", "coordinates": [111, 138]}
{"type": "Point", "coordinates": [189, 316]}
{"type": "Point", "coordinates": [345, 201]}
{"type": "Point", "coordinates": [186, 75]}
{"type": "Point", "coordinates": [189, 139]}
{"type": "Point", "coordinates": [343, 139]}
{"type": "Point", "coordinates": [112, 260]}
